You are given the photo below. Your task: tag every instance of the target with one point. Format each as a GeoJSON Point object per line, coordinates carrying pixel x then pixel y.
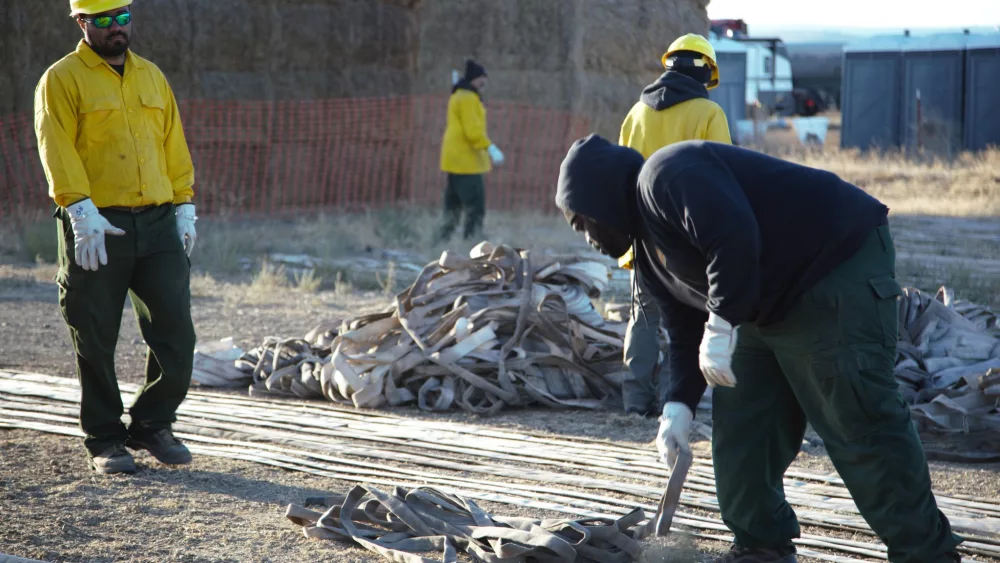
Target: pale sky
{"type": "Point", "coordinates": [858, 13]}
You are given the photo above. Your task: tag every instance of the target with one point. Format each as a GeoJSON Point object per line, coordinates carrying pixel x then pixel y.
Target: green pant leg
{"type": "Point", "coordinates": [452, 211]}
{"type": "Point", "coordinates": [757, 430]}
{"type": "Point", "coordinates": [641, 353]}
{"type": "Point", "coordinates": [472, 191]}
{"type": "Point", "coordinates": [838, 348]}
{"type": "Point", "coordinates": [91, 303]}
{"type": "Point", "coordinates": [161, 298]}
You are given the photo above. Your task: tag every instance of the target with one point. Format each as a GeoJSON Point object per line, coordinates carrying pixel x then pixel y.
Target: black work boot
{"type": "Point", "coordinates": [114, 459]}
{"type": "Point", "coordinates": [739, 554]}
{"type": "Point", "coordinates": [162, 445]}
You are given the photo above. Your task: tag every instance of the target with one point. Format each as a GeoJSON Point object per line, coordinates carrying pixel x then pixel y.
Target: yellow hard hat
{"type": "Point", "coordinates": [698, 44]}
{"type": "Point", "coordinates": [95, 6]}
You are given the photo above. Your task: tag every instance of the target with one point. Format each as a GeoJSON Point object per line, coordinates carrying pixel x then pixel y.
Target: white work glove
{"type": "Point", "coordinates": [89, 228]}
{"type": "Point", "coordinates": [454, 77]}
{"type": "Point", "coordinates": [185, 226]}
{"type": "Point", "coordinates": [716, 352]}
{"type": "Point", "coordinates": [495, 155]}
{"type": "Point", "coordinates": [675, 429]}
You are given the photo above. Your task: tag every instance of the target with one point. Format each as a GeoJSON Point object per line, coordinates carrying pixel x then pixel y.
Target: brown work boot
{"type": "Point", "coordinates": [739, 554]}
{"type": "Point", "coordinates": [162, 445]}
{"type": "Point", "coordinates": [114, 459]}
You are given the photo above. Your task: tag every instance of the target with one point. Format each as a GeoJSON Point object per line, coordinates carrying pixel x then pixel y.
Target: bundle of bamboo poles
{"type": "Point", "coordinates": [493, 330]}
{"type": "Point", "coordinates": [948, 364]}
{"type": "Point", "coordinates": [575, 475]}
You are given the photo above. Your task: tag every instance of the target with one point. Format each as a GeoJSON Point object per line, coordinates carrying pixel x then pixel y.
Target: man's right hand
{"type": "Point", "coordinates": [674, 434]}
{"type": "Point", "coordinates": [89, 228]}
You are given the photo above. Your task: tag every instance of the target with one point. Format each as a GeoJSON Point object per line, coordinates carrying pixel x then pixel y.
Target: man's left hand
{"type": "Point", "coordinates": [716, 352]}
{"type": "Point", "coordinates": [185, 226]}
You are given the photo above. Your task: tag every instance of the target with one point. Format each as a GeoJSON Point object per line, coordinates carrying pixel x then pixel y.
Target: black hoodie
{"type": "Point", "coordinates": [670, 89]}
{"type": "Point", "coordinates": [717, 228]}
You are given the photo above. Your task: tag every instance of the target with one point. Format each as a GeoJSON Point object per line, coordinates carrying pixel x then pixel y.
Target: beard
{"type": "Point", "coordinates": [111, 46]}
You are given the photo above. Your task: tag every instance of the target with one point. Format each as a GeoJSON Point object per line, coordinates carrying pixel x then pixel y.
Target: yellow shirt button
{"type": "Point", "coordinates": [142, 161]}
{"type": "Point", "coordinates": [130, 110]}
{"type": "Point", "coordinates": [136, 135]}
{"type": "Point", "coordinates": [143, 187]}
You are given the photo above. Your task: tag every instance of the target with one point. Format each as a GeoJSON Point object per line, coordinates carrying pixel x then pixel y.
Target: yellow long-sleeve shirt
{"type": "Point", "coordinates": [656, 121]}
{"type": "Point", "coordinates": [463, 149]}
{"type": "Point", "coordinates": [648, 130]}
{"type": "Point", "coordinates": [117, 140]}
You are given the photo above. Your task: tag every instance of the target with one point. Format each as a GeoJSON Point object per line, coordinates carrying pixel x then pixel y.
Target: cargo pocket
{"type": "Point", "coordinates": [858, 393]}
{"type": "Point", "coordinates": [887, 291]}
{"type": "Point", "coordinates": [67, 295]}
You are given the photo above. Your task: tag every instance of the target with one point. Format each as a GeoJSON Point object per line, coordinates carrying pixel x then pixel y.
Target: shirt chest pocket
{"type": "Point", "coordinates": [154, 110]}
{"type": "Point", "coordinates": [101, 120]}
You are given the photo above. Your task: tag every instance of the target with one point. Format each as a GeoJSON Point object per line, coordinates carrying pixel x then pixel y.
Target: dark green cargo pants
{"type": "Point", "coordinates": [149, 265]}
{"type": "Point", "coordinates": [829, 362]}
{"type": "Point", "coordinates": [463, 192]}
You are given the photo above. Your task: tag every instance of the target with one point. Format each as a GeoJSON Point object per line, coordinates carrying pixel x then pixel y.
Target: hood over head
{"type": "Point", "coordinates": [597, 179]}
{"type": "Point", "coordinates": [473, 70]}
{"type": "Point", "coordinates": [672, 88]}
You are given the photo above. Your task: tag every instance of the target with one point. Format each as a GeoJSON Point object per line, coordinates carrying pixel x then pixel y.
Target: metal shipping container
{"type": "Point", "coordinates": [870, 99]}
{"type": "Point", "coordinates": [982, 85]}
{"type": "Point", "coordinates": [933, 68]}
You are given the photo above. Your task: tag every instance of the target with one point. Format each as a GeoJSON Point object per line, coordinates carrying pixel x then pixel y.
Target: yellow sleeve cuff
{"type": "Point", "coordinates": [626, 260]}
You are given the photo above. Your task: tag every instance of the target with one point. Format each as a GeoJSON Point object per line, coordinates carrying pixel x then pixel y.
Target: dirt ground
{"type": "Point", "coordinates": [56, 509]}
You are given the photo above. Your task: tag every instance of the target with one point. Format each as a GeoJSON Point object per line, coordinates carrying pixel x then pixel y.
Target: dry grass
{"type": "Point", "coordinates": [674, 548]}
{"type": "Point", "coordinates": [966, 186]}
{"type": "Point", "coordinates": [922, 185]}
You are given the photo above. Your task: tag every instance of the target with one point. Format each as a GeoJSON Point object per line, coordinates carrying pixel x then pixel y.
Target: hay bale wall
{"type": "Point", "coordinates": [232, 49]}
{"type": "Point", "coordinates": [589, 56]}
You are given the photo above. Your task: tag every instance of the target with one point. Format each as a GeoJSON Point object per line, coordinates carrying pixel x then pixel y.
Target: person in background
{"type": "Point", "coordinates": [466, 154]}
{"type": "Point", "coordinates": [674, 108]}
{"type": "Point", "coordinates": [119, 169]}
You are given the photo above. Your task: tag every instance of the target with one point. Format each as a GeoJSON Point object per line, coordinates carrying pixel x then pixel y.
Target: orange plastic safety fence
{"type": "Point", "coordinates": [279, 157]}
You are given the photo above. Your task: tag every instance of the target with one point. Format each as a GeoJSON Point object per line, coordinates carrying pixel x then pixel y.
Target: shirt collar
{"type": "Point", "coordinates": [92, 59]}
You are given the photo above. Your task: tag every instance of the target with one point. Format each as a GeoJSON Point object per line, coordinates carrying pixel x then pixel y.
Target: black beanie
{"type": "Point", "coordinates": [702, 74]}
{"type": "Point", "coordinates": [473, 70]}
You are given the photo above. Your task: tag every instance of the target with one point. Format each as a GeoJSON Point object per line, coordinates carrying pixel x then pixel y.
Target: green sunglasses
{"type": "Point", "coordinates": [104, 22]}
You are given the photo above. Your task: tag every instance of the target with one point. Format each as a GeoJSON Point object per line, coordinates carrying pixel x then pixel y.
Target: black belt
{"type": "Point", "coordinates": [132, 210]}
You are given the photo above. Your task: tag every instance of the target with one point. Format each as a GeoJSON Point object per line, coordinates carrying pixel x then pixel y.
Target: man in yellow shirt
{"type": "Point", "coordinates": [674, 108]}
{"type": "Point", "coordinates": [466, 154]}
{"type": "Point", "coordinates": [116, 162]}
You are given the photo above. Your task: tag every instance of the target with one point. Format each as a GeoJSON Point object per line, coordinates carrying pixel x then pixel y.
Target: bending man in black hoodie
{"type": "Point", "coordinates": [777, 286]}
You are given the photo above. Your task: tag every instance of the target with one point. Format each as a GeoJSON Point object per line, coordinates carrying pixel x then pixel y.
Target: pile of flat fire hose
{"type": "Point", "coordinates": [402, 525]}
{"type": "Point", "coordinates": [481, 333]}
{"type": "Point", "coordinates": [497, 330]}
{"type": "Point", "coordinates": [948, 364]}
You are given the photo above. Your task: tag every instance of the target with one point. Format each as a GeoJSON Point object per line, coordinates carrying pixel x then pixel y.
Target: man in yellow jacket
{"type": "Point", "coordinates": [674, 108]}
{"type": "Point", "coordinates": [466, 154]}
{"type": "Point", "coordinates": [117, 163]}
